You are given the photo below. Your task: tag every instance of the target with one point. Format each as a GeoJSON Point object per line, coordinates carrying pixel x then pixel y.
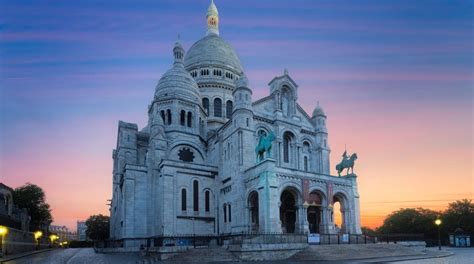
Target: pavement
{"type": "Point", "coordinates": [88, 256]}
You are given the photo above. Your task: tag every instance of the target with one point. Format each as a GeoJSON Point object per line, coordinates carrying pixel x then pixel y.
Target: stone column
{"type": "Point", "coordinates": [269, 210]}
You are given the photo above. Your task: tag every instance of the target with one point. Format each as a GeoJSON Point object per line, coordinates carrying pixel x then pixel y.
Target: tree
{"type": "Point", "coordinates": [98, 227]}
{"type": "Point", "coordinates": [460, 214]}
{"type": "Point", "coordinates": [32, 197]}
{"type": "Point", "coordinates": [411, 221]}
{"type": "Point", "coordinates": [368, 231]}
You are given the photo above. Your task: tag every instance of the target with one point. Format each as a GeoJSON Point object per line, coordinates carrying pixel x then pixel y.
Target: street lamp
{"type": "Point", "coordinates": [438, 223]}
{"type": "Point", "coordinates": [53, 237]}
{"type": "Point", "coordinates": [38, 235]}
{"type": "Point", "coordinates": [3, 232]}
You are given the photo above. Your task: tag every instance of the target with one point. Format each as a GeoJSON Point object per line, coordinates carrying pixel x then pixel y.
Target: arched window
{"type": "Point", "coordinates": [182, 117]}
{"type": "Point", "coordinates": [207, 201]}
{"type": "Point", "coordinates": [253, 207]}
{"type": "Point", "coordinates": [228, 109]}
{"type": "Point", "coordinates": [205, 104]}
{"type": "Point", "coordinates": [168, 113]}
{"type": "Point", "coordinates": [190, 119]}
{"type": "Point", "coordinates": [196, 196]}
{"type": "Point", "coordinates": [286, 147]}
{"type": "Point", "coordinates": [225, 213]}
{"type": "Point", "coordinates": [305, 163]}
{"type": "Point", "coordinates": [217, 107]}
{"type": "Point", "coordinates": [230, 213]}
{"type": "Point", "coordinates": [183, 200]}
{"type": "Point", "coordinates": [163, 116]}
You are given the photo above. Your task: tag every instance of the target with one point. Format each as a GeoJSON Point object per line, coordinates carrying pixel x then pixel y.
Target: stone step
{"type": "Point", "coordinates": [204, 255]}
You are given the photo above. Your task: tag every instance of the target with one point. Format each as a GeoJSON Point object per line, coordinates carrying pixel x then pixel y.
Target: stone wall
{"type": "Point", "coordinates": [17, 241]}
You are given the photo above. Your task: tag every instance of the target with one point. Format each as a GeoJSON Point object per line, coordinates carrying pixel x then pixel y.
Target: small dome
{"type": "Point", "coordinates": [318, 111]}
{"type": "Point", "coordinates": [242, 82]}
{"type": "Point", "coordinates": [177, 82]}
{"type": "Point", "coordinates": [212, 50]}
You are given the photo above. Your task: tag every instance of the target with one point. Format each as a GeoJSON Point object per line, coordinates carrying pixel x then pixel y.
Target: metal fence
{"type": "Point", "coordinates": [258, 238]}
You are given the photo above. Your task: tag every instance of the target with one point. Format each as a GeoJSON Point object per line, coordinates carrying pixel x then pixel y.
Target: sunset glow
{"type": "Point", "coordinates": [395, 79]}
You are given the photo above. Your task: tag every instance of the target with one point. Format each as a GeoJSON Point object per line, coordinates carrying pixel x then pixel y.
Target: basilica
{"type": "Point", "coordinates": [212, 161]}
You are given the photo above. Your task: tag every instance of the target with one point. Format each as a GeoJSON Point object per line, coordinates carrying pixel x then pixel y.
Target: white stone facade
{"type": "Point", "coordinates": [193, 169]}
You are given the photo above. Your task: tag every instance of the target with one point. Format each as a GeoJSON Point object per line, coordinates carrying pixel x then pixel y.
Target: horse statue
{"type": "Point", "coordinates": [264, 145]}
{"type": "Point", "coordinates": [346, 163]}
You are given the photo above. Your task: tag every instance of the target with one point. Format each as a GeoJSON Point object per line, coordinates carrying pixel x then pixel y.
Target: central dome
{"type": "Point", "coordinates": [212, 50]}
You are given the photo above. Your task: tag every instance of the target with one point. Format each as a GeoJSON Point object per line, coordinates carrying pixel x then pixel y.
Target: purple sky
{"type": "Point", "coordinates": [394, 77]}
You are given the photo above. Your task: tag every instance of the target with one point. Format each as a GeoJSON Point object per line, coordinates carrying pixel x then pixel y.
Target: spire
{"type": "Point", "coordinates": [212, 19]}
{"type": "Point", "coordinates": [178, 52]}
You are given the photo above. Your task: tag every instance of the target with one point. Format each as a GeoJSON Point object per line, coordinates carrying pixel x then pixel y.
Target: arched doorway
{"type": "Point", "coordinates": [253, 211]}
{"type": "Point", "coordinates": [288, 211]}
{"type": "Point", "coordinates": [314, 212]}
{"type": "Point", "coordinates": [339, 212]}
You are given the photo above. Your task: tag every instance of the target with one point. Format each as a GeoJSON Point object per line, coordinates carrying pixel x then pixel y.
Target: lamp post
{"type": "Point", "coordinates": [53, 238]}
{"type": "Point", "coordinates": [438, 223]}
{"type": "Point", "coordinates": [3, 232]}
{"type": "Point", "coordinates": [38, 235]}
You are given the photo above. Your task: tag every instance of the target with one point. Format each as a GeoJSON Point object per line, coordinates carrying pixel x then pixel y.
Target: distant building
{"type": "Point", "coordinates": [63, 232]}
{"type": "Point", "coordinates": [10, 215]}
{"type": "Point", "coordinates": [81, 231]}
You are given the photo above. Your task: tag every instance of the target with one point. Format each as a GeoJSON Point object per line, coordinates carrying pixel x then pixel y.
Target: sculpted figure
{"type": "Point", "coordinates": [264, 146]}
{"type": "Point", "coordinates": [346, 163]}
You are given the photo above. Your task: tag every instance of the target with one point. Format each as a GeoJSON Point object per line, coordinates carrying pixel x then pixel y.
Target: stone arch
{"type": "Point", "coordinates": [341, 207]}
{"type": "Point", "coordinates": [253, 204]}
{"type": "Point", "coordinates": [290, 200]}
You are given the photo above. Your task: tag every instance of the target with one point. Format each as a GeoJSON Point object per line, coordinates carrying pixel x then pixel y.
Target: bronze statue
{"type": "Point", "coordinates": [264, 145]}
{"type": "Point", "coordinates": [346, 163]}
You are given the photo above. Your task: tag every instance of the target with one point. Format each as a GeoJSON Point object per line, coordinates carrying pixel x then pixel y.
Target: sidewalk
{"type": "Point", "coordinates": [429, 254]}
{"type": "Point", "coordinates": [24, 254]}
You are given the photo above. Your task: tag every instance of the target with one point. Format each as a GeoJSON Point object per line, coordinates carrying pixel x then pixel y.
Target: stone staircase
{"type": "Point", "coordinates": [196, 255]}
{"type": "Point", "coordinates": [352, 251]}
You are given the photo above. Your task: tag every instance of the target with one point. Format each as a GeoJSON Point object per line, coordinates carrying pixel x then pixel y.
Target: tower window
{"type": "Point", "coordinates": [182, 117]}
{"type": "Point", "coordinates": [168, 113]}
{"type": "Point", "coordinates": [196, 196]}
{"type": "Point", "coordinates": [190, 119]}
{"type": "Point", "coordinates": [183, 200]}
{"type": "Point", "coordinates": [217, 107]}
{"type": "Point", "coordinates": [207, 201]}
{"type": "Point", "coordinates": [229, 108]}
{"type": "Point", "coordinates": [230, 213]}
{"type": "Point", "coordinates": [305, 163]}
{"type": "Point", "coordinates": [205, 104]}
{"type": "Point", "coordinates": [287, 137]}
{"type": "Point", "coordinates": [225, 213]}
{"type": "Point", "coordinates": [163, 116]}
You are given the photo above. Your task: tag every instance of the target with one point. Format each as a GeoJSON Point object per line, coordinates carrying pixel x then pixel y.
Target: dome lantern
{"type": "Point", "coordinates": [178, 53]}
{"type": "Point", "coordinates": [212, 19]}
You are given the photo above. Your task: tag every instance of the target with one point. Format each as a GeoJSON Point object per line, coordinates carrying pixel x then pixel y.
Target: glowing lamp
{"type": "Point", "coordinates": [438, 222]}
{"type": "Point", "coordinates": [3, 230]}
{"type": "Point", "coordinates": [38, 234]}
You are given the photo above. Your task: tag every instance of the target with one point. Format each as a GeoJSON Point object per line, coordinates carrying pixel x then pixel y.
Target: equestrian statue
{"type": "Point", "coordinates": [346, 163]}
{"type": "Point", "coordinates": [264, 145]}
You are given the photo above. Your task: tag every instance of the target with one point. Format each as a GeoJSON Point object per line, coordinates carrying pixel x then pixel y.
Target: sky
{"type": "Point", "coordinates": [395, 79]}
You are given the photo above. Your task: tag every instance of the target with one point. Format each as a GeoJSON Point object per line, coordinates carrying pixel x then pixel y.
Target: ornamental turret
{"type": "Point", "coordinates": [242, 114]}
{"type": "Point", "coordinates": [212, 19]}
{"type": "Point", "coordinates": [319, 119]}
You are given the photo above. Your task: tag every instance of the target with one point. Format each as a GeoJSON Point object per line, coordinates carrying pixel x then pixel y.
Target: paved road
{"type": "Point", "coordinates": [74, 256]}
{"type": "Point", "coordinates": [461, 256]}
{"type": "Point", "coordinates": [88, 256]}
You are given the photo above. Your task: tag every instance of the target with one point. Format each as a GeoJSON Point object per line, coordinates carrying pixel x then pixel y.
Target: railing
{"type": "Point", "coordinates": [263, 238]}
{"type": "Point", "coordinates": [258, 238]}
